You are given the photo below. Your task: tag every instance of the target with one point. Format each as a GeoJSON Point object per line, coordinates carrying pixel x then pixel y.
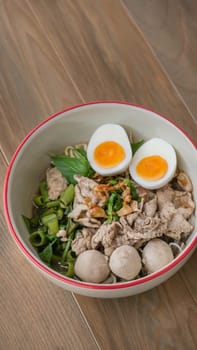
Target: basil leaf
{"type": "Point", "coordinates": [71, 166]}
{"type": "Point", "coordinates": [82, 154]}
{"type": "Point", "coordinates": [136, 145]}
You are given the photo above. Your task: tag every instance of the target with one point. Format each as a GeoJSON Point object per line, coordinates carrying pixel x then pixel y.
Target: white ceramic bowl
{"type": "Point", "coordinates": [74, 125]}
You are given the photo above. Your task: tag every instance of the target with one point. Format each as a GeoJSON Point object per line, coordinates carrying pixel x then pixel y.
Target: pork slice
{"type": "Point", "coordinates": [56, 183]}
{"type": "Point", "coordinates": [86, 191]}
{"type": "Point", "coordinates": [105, 236]}
{"type": "Point", "coordinates": [167, 210]}
{"type": "Point", "coordinates": [150, 207]}
{"type": "Point", "coordinates": [184, 182]}
{"type": "Point", "coordinates": [177, 226]}
{"type": "Point", "coordinates": [184, 203]}
{"type": "Point", "coordinates": [131, 218]}
{"type": "Point", "coordinates": [145, 229]}
{"type": "Point", "coordinates": [82, 241]}
{"type": "Point", "coordinates": [142, 192]}
{"type": "Point", "coordinates": [77, 211]}
{"type": "Point", "coordinates": [89, 222]}
{"type": "Point", "coordinates": [165, 194]}
{"type": "Point", "coordinates": [126, 228]}
{"type": "Point", "coordinates": [118, 241]}
{"type": "Point", "coordinates": [78, 199]}
{"type": "Point", "coordinates": [145, 223]}
{"type": "Point", "coordinates": [185, 212]}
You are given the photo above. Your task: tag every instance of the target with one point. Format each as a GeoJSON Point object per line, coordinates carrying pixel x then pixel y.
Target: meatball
{"type": "Point", "coordinates": [156, 254]}
{"type": "Point", "coordinates": [125, 262]}
{"type": "Point", "coordinates": [92, 266]}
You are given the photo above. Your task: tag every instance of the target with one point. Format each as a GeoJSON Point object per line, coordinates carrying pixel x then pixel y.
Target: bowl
{"type": "Point", "coordinates": [74, 125]}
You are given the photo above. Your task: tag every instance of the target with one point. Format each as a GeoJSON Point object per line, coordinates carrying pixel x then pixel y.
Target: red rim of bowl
{"type": "Point", "coordinates": [51, 272]}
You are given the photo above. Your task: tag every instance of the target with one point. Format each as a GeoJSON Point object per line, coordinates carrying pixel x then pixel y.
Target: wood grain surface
{"type": "Point", "coordinates": [35, 314]}
{"type": "Point", "coordinates": [171, 30]}
{"type": "Point", "coordinates": [56, 53]}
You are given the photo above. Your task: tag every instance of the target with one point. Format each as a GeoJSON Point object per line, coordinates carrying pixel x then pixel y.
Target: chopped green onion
{"type": "Point", "coordinates": [71, 226]}
{"type": "Point", "coordinates": [51, 222]}
{"type": "Point", "coordinates": [70, 269]}
{"type": "Point", "coordinates": [67, 248]}
{"type": "Point", "coordinates": [67, 209]}
{"type": "Point", "coordinates": [52, 204]}
{"type": "Point", "coordinates": [68, 195]}
{"type": "Point", "coordinates": [48, 211]}
{"type": "Point", "coordinates": [70, 256]}
{"type": "Point", "coordinates": [38, 201]}
{"type": "Point", "coordinates": [38, 238]}
{"type": "Point", "coordinates": [44, 191]}
{"type": "Point", "coordinates": [60, 213]}
{"type": "Point", "coordinates": [51, 237]}
{"type": "Point", "coordinates": [47, 218]}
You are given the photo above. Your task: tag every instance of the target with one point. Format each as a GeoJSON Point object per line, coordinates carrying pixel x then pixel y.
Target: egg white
{"type": "Point", "coordinates": [155, 146]}
{"type": "Point", "coordinates": [104, 133]}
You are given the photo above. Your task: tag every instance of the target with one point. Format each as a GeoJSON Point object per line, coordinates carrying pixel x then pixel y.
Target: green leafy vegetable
{"type": "Point", "coordinates": [131, 185]}
{"type": "Point", "coordinates": [67, 247]}
{"type": "Point", "coordinates": [47, 253]}
{"type": "Point", "coordinates": [71, 166]}
{"type": "Point", "coordinates": [118, 202]}
{"type": "Point", "coordinates": [32, 223]}
{"type": "Point", "coordinates": [113, 205]}
{"type": "Point", "coordinates": [136, 145]}
{"type": "Point", "coordinates": [71, 226]}
{"type": "Point", "coordinates": [113, 181]}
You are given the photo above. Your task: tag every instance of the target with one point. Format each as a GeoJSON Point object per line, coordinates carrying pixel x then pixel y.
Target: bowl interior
{"type": "Point", "coordinates": [75, 126]}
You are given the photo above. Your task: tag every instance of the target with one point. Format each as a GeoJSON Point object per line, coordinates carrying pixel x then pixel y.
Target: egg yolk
{"type": "Point", "coordinates": [109, 154]}
{"type": "Point", "coordinates": [152, 167]}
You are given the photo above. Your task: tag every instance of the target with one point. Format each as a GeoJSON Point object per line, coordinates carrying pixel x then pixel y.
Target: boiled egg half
{"type": "Point", "coordinates": [154, 164]}
{"type": "Point", "coordinates": [109, 150]}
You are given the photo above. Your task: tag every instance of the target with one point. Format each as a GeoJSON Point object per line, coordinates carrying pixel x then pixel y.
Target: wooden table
{"type": "Point", "coordinates": [56, 53]}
